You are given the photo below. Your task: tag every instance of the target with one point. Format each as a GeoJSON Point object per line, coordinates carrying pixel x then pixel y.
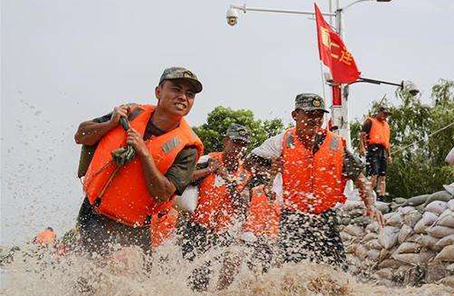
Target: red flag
{"type": "Point", "coordinates": [333, 52]}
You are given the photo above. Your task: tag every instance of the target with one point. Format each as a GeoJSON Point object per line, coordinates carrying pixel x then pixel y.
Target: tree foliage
{"type": "Point", "coordinates": [213, 131]}
{"type": "Point", "coordinates": [419, 168]}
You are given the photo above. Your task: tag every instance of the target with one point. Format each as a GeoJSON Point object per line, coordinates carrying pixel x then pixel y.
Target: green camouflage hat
{"type": "Point", "coordinates": [309, 102]}
{"type": "Point", "coordinates": [238, 132]}
{"type": "Point", "coordinates": [181, 73]}
{"type": "Point", "coordinates": [384, 109]}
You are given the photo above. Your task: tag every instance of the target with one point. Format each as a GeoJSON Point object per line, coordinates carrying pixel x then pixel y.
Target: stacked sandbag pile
{"type": "Point", "coordinates": [415, 246]}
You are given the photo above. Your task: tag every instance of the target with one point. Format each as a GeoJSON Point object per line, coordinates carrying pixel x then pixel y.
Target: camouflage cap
{"type": "Point", "coordinates": [310, 102]}
{"type": "Point", "coordinates": [238, 132]}
{"type": "Point", "coordinates": [384, 109]}
{"type": "Point", "coordinates": [181, 73]}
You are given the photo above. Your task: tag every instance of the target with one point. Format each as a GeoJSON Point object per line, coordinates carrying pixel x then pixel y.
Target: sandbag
{"type": "Point", "coordinates": [399, 200]}
{"type": "Point", "coordinates": [404, 233]}
{"type": "Point", "coordinates": [406, 209]}
{"type": "Point", "coordinates": [350, 205]}
{"type": "Point", "coordinates": [356, 213]}
{"type": "Point", "coordinates": [386, 273]}
{"type": "Point", "coordinates": [427, 219]}
{"type": "Point", "coordinates": [450, 157]}
{"type": "Point", "coordinates": [451, 204]}
{"type": "Point", "coordinates": [440, 196]}
{"type": "Point", "coordinates": [382, 207]}
{"type": "Point", "coordinates": [426, 256]}
{"type": "Point", "coordinates": [436, 207]}
{"type": "Point", "coordinates": [393, 219]}
{"type": "Point", "coordinates": [361, 251]}
{"type": "Point", "coordinates": [373, 255]}
{"type": "Point", "coordinates": [415, 238]}
{"type": "Point", "coordinates": [450, 267]}
{"type": "Point", "coordinates": [450, 189]}
{"type": "Point", "coordinates": [368, 237]}
{"type": "Point", "coordinates": [345, 237]}
{"type": "Point", "coordinates": [410, 258]}
{"type": "Point", "coordinates": [392, 263]}
{"type": "Point", "coordinates": [411, 218]}
{"type": "Point", "coordinates": [440, 231]}
{"type": "Point", "coordinates": [447, 254]}
{"type": "Point", "coordinates": [446, 219]}
{"type": "Point", "coordinates": [446, 241]}
{"type": "Point", "coordinates": [408, 248]}
{"type": "Point", "coordinates": [374, 244]}
{"type": "Point", "coordinates": [416, 200]}
{"type": "Point", "coordinates": [188, 200]}
{"type": "Point", "coordinates": [373, 227]}
{"type": "Point", "coordinates": [448, 281]}
{"type": "Point", "coordinates": [385, 254]}
{"type": "Point", "coordinates": [430, 242]}
{"type": "Point", "coordinates": [361, 221]}
{"type": "Point", "coordinates": [420, 208]}
{"type": "Point", "coordinates": [354, 230]}
{"type": "Point", "coordinates": [388, 236]}
{"type": "Point", "coordinates": [447, 212]}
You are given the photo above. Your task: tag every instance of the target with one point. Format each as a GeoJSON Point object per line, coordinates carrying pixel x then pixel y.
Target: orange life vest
{"type": "Point", "coordinates": [125, 198]}
{"type": "Point", "coordinates": [263, 215]}
{"type": "Point", "coordinates": [46, 237]}
{"type": "Point", "coordinates": [312, 182]}
{"type": "Point", "coordinates": [215, 209]}
{"type": "Point", "coordinates": [380, 133]}
{"type": "Point", "coordinates": [162, 227]}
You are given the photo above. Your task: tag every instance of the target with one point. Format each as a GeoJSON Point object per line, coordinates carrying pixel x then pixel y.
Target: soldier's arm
{"type": "Point", "coordinates": [91, 131]}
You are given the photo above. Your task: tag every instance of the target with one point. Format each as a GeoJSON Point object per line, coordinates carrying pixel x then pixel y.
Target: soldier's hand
{"type": "Point", "coordinates": [390, 160]}
{"type": "Point", "coordinates": [213, 165]}
{"type": "Point", "coordinates": [118, 112]}
{"type": "Point", "coordinates": [136, 141]}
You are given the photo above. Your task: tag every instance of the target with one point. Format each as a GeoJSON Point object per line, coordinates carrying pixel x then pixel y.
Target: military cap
{"type": "Point", "coordinates": [238, 132]}
{"type": "Point", "coordinates": [181, 73]}
{"type": "Point", "coordinates": [384, 109]}
{"type": "Point", "coordinates": [310, 102]}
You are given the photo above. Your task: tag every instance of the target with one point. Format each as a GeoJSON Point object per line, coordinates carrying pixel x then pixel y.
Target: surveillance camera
{"type": "Point", "coordinates": [410, 87]}
{"type": "Point", "coordinates": [232, 17]}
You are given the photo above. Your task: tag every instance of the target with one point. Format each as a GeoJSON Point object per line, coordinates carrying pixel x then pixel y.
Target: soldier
{"type": "Point", "coordinates": [315, 165]}
{"type": "Point", "coordinates": [375, 136]}
{"type": "Point", "coordinates": [127, 193]}
{"type": "Point", "coordinates": [221, 179]}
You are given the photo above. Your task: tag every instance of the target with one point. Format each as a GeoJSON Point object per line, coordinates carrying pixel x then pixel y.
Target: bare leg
{"type": "Point", "coordinates": [381, 190]}
{"type": "Point", "coordinates": [373, 182]}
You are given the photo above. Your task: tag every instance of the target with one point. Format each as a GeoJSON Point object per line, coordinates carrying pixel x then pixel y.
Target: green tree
{"type": "Point", "coordinates": [213, 131]}
{"type": "Point", "coordinates": [418, 159]}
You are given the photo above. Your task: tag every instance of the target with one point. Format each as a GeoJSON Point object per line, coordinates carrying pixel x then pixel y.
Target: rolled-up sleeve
{"type": "Point", "coordinates": [270, 149]}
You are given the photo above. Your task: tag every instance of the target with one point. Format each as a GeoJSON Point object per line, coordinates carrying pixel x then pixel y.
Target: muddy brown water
{"type": "Point", "coordinates": [39, 272]}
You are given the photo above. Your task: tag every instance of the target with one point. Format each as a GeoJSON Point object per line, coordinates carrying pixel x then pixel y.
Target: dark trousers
{"type": "Point", "coordinates": [194, 241]}
{"type": "Point", "coordinates": [376, 161]}
{"type": "Point", "coordinates": [316, 238]}
{"type": "Point", "coordinates": [100, 234]}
